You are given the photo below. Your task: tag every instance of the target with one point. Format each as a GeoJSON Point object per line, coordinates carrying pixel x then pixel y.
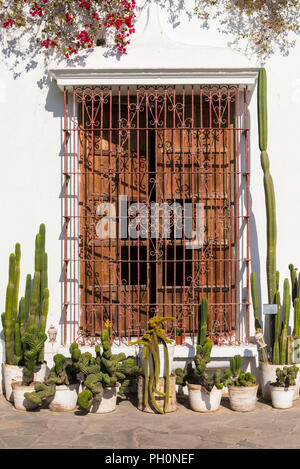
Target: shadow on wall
{"type": "Point", "coordinates": [55, 105]}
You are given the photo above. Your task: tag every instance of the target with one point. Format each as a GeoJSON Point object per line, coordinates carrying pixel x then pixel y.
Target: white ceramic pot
{"type": "Point", "coordinates": [108, 402]}
{"type": "Point", "coordinates": [13, 374]}
{"type": "Point", "coordinates": [282, 398]}
{"type": "Point", "coordinates": [20, 402]}
{"type": "Point", "coordinates": [202, 401]}
{"type": "Point", "coordinates": [242, 398]}
{"type": "Point", "coordinates": [268, 375]}
{"type": "Point", "coordinates": [65, 398]}
{"type": "Point", "coordinates": [162, 371]}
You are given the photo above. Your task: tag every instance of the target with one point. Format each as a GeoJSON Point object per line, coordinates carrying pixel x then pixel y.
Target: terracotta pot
{"type": "Point", "coordinates": [108, 402]}
{"type": "Point", "coordinates": [203, 401]}
{"type": "Point", "coordinates": [65, 398]}
{"type": "Point", "coordinates": [282, 398]}
{"type": "Point", "coordinates": [13, 374]}
{"type": "Point", "coordinates": [178, 340]}
{"type": "Point", "coordinates": [20, 402]}
{"type": "Point", "coordinates": [268, 375]}
{"type": "Point", "coordinates": [242, 398]}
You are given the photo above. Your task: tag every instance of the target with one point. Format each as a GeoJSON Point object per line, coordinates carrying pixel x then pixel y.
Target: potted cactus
{"type": "Point", "coordinates": [60, 389]}
{"type": "Point", "coordinates": [279, 351]}
{"type": "Point", "coordinates": [156, 353]}
{"type": "Point", "coordinates": [242, 387]}
{"type": "Point", "coordinates": [205, 392]}
{"type": "Point", "coordinates": [104, 377]}
{"type": "Point", "coordinates": [20, 315]}
{"type": "Point", "coordinates": [282, 390]}
{"type": "Point", "coordinates": [33, 342]}
{"type": "Point", "coordinates": [283, 351]}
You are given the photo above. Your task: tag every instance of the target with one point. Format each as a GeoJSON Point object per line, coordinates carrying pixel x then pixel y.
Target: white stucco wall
{"type": "Point", "coordinates": [31, 159]}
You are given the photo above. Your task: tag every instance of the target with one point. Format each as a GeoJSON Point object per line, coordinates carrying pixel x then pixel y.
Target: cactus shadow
{"type": "Point", "coordinates": [130, 397]}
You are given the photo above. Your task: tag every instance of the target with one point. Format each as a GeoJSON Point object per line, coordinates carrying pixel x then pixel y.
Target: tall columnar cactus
{"type": "Point", "coordinates": [10, 316]}
{"type": "Point", "coordinates": [202, 321]}
{"type": "Point", "coordinates": [269, 194]}
{"type": "Point", "coordinates": [32, 308]}
{"type": "Point", "coordinates": [296, 331]}
{"type": "Point", "coordinates": [294, 282]}
{"type": "Point", "coordinates": [276, 349]}
{"type": "Point", "coordinates": [255, 303]}
{"type": "Point", "coordinates": [285, 320]}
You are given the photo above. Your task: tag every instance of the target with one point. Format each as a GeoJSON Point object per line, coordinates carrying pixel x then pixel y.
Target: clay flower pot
{"type": "Point", "coordinates": [13, 374]}
{"type": "Point", "coordinates": [242, 398]}
{"type": "Point", "coordinates": [108, 402]}
{"type": "Point", "coordinates": [65, 398]}
{"type": "Point", "coordinates": [203, 401]}
{"type": "Point", "coordinates": [20, 402]}
{"type": "Point", "coordinates": [282, 398]}
{"type": "Point", "coordinates": [178, 340]}
{"type": "Point", "coordinates": [268, 376]}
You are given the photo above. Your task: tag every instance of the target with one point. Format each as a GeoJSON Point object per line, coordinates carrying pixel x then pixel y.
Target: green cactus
{"type": "Point", "coordinates": [286, 377]}
{"type": "Point", "coordinates": [62, 373]}
{"type": "Point", "coordinates": [10, 316]}
{"type": "Point", "coordinates": [198, 374]}
{"type": "Point", "coordinates": [262, 110]}
{"type": "Point", "coordinates": [155, 335]}
{"type": "Point", "coordinates": [236, 365]}
{"type": "Point", "coordinates": [255, 303]}
{"type": "Point", "coordinates": [32, 308]}
{"type": "Point", "coordinates": [239, 377]}
{"type": "Point", "coordinates": [254, 296]}
{"type": "Point", "coordinates": [296, 331]}
{"type": "Point", "coordinates": [27, 298]}
{"type": "Point", "coordinates": [202, 321]}
{"type": "Point", "coordinates": [106, 370]}
{"type": "Point", "coordinates": [269, 195]}
{"type": "Point", "coordinates": [33, 341]}
{"type": "Point", "coordinates": [180, 377]}
{"type": "Point", "coordinates": [285, 320]}
{"type": "Point", "coordinates": [294, 282]}
{"type": "Point", "coordinates": [276, 350]}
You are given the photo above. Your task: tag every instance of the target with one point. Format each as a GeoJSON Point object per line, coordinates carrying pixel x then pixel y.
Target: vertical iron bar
{"type": "Point", "coordinates": [66, 214]}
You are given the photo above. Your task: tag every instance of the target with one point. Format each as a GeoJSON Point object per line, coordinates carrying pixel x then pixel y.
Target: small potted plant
{"type": "Point", "coordinates": [242, 387]}
{"type": "Point", "coordinates": [282, 390]}
{"type": "Point", "coordinates": [104, 376]}
{"type": "Point", "coordinates": [205, 392]}
{"type": "Point", "coordinates": [60, 388]}
{"type": "Point", "coordinates": [178, 334]}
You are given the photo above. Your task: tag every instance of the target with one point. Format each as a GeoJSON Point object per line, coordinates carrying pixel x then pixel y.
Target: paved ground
{"type": "Point", "coordinates": [128, 427]}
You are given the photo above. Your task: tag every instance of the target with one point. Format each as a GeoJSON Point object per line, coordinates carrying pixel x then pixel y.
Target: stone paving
{"type": "Point", "coordinates": [129, 428]}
